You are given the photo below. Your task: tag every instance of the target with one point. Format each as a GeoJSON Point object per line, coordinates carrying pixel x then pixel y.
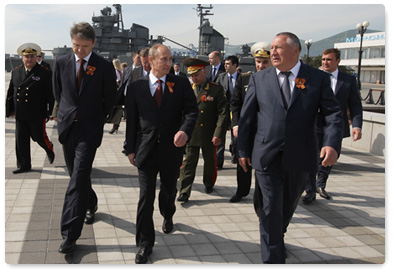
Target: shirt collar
{"type": "Point", "coordinates": [335, 73]}
{"type": "Point", "coordinates": [234, 75]}
{"type": "Point", "coordinates": [217, 66]}
{"type": "Point", "coordinates": [154, 79]}
{"type": "Point", "coordinates": [86, 58]}
{"type": "Point", "coordinates": [294, 70]}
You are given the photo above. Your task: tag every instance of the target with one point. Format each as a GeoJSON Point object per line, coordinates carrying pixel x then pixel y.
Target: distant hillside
{"type": "Point", "coordinates": [319, 46]}
{"type": "Point", "coordinates": [315, 50]}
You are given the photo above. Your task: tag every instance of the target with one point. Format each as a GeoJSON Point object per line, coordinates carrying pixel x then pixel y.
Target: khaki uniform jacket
{"type": "Point", "coordinates": [212, 119]}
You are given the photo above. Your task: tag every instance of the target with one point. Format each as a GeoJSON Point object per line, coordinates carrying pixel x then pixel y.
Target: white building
{"type": "Point", "coordinates": [373, 56]}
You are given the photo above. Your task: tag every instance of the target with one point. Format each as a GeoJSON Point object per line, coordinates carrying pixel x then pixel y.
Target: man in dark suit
{"type": "Point", "coordinates": [139, 69]}
{"type": "Point", "coordinates": [228, 81]}
{"type": "Point", "coordinates": [85, 87]}
{"type": "Point", "coordinates": [177, 70]}
{"type": "Point", "coordinates": [261, 53]}
{"type": "Point", "coordinates": [344, 87]}
{"type": "Point", "coordinates": [283, 102]}
{"type": "Point", "coordinates": [216, 67]}
{"type": "Point", "coordinates": [40, 61]}
{"type": "Point", "coordinates": [30, 99]}
{"type": "Point", "coordinates": [161, 114]}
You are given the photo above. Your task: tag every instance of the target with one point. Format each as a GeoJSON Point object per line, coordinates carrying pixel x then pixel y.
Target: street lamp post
{"type": "Point", "coordinates": [308, 45]}
{"type": "Point", "coordinates": [361, 30]}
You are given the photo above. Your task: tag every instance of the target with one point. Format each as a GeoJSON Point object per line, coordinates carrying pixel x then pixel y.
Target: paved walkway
{"type": "Point", "coordinates": [350, 228]}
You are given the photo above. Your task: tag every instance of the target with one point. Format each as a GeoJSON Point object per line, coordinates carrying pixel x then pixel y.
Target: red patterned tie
{"type": "Point", "coordinates": [80, 74]}
{"type": "Point", "coordinates": [158, 93]}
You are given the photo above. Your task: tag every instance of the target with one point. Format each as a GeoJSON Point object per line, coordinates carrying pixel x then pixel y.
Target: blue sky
{"type": "Point", "coordinates": [48, 24]}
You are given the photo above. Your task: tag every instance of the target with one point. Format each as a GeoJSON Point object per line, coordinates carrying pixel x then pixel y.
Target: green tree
{"type": "Point", "coordinates": [316, 62]}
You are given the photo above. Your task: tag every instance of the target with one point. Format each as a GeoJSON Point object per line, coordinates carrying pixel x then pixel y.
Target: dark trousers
{"type": "Point", "coordinates": [26, 129]}
{"type": "Point", "coordinates": [221, 150]}
{"type": "Point", "coordinates": [281, 190]}
{"type": "Point", "coordinates": [318, 179]}
{"type": "Point", "coordinates": [168, 174]}
{"type": "Point", "coordinates": [221, 153]}
{"type": "Point", "coordinates": [80, 196]}
{"type": "Point", "coordinates": [243, 178]}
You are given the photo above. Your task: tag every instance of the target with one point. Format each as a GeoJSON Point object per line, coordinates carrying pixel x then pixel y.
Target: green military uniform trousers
{"type": "Point", "coordinates": [188, 169]}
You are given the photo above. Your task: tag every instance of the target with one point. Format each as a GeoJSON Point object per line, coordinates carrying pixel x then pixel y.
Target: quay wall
{"type": "Point", "coordinates": [373, 135]}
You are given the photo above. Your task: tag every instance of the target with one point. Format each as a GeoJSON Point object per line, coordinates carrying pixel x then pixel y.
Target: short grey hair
{"type": "Point", "coordinates": [292, 40]}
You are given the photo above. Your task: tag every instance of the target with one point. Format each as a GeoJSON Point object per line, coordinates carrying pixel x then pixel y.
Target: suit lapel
{"type": "Point", "coordinates": [166, 92]}
{"type": "Point", "coordinates": [303, 74]}
{"type": "Point", "coordinates": [275, 86]}
{"type": "Point", "coordinates": [147, 90]}
{"type": "Point", "coordinates": [72, 76]}
{"type": "Point", "coordinates": [340, 82]}
{"type": "Point", "coordinates": [92, 63]}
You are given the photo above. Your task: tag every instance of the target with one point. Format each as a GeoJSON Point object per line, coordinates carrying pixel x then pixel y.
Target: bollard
{"type": "Point", "coordinates": [381, 99]}
{"type": "Point", "coordinates": [369, 97]}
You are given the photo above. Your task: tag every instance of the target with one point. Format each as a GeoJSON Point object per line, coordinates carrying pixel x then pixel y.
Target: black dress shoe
{"type": "Point", "coordinates": [90, 216]}
{"type": "Point", "coordinates": [323, 193]}
{"type": "Point", "coordinates": [142, 255]}
{"type": "Point", "coordinates": [235, 198]}
{"type": "Point", "coordinates": [21, 170]}
{"type": "Point", "coordinates": [114, 129]}
{"type": "Point", "coordinates": [67, 246]}
{"type": "Point", "coordinates": [183, 197]}
{"type": "Point", "coordinates": [167, 226]}
{"type": "Point", "coordinates": [51, 157]}
{"type": "Point", "coordinates": [208, 189]}
{"type": "Point", "coordinates": [309, 197]}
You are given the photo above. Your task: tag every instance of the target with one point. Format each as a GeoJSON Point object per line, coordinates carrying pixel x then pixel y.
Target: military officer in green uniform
{"type": "Point", "coordinates": [209, 131]}
{"type": "Point", "coordinates": [30, 100]}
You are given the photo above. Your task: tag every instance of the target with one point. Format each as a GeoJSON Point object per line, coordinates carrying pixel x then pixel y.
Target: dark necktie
{"type": "Point", "coordinates": [158, 93]}
{"type": "Point", "coordinates": [286, 88]}
{"type": "Point", "coordinates": [80, 74]}
{"type": "Point", "coordinates": [231, 84]}
{"type": "Point", "coordinates": [27, 72]}
{"type": "Point", "coordinates": [213, 75]}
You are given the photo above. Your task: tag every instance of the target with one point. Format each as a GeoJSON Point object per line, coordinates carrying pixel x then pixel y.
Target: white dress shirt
{"type": "Point", "coordinates": [77, 64]}
{"type": "Point", "coordinates": [294, 72]}
{"type": "Point", "coordinates": [334, 76]}
{"type": "Point", "coordinates": [153, 83]}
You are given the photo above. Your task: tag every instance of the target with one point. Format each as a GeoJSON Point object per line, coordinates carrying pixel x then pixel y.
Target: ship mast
{"type": "Point", "coordinates": [118, 9]}
{"type": "Point", "coordinates": [202, 12]}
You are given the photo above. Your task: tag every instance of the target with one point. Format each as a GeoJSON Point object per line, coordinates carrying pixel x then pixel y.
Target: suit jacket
{"type": "Point", "coordinates": [291, 130]}
{"type": "Point", "coordinates": [129, 76]}
{"type": "Point", "coordinates": [91, 104]}
{"type": "Point", "coordinates": [213, 115]}
{"type": "Point", "coordinates": [148, 125]}
{"type": "Point", "coordinates": [30, 97]}
{"type": "Point", "coordinates": [182, 74]}
{"type": "Point", "coordinates": [223, 79]}
{"type": "Point", "coordinates": [238, 96]}
{"type": "Point", "coordinates": [209, 70]}
{"type": "Point", "coordinates": [347, 93]}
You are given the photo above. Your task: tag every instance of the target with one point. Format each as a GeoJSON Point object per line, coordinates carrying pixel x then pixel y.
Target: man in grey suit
{"type": "Point", "coordinates": [344, 87]}
{"type": "Point", "coordinates": [282, 101]}
{"type": "Point", "coordinates": [228, 81]}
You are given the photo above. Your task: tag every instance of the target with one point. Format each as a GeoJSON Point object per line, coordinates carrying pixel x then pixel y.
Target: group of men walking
{"type": "Point", "coordinates": [284, 120]}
